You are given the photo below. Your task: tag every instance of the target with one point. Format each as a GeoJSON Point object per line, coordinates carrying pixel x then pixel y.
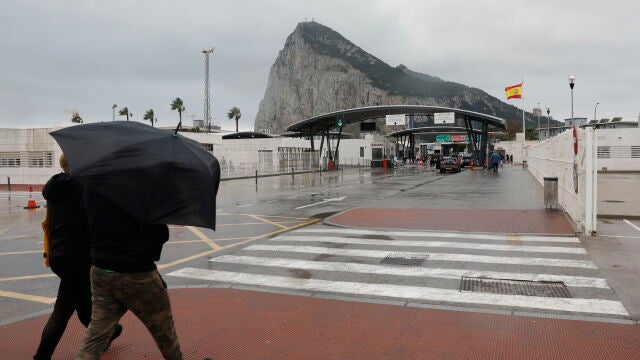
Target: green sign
{"type": "Point", "coordinates": [340, 122]}
{"type": "Point", "coordinates": [443, 138]}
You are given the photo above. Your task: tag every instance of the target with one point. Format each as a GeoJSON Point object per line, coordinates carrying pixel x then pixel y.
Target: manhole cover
{"type": "Point", "coordinates": [515, 287]}
{"type": "Point", "coordinates": [614, 201]}
{"type": "Point", "coordinates": [410, 260]}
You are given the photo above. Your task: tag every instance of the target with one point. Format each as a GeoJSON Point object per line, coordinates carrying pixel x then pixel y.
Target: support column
{"type": "Point", "coordinates": [336, 151]}
{"type": "Point", "coordinates": [472, 139]}
{"type": "Point", "coordinates": [484, 142]}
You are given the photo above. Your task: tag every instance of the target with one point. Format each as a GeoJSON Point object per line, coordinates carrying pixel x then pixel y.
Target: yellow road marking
{"type": "Point", "coordinates": [268, 221]}
{"type": "Point", "coordinates": [192, 257]}
{"type": "Point", "coordinates": [40, 299]}
{"type": "Point", "coordinates": [27, 277]}
{"type": "Point", "coordinates": [204, 238]}
{"type": "Point", "coordinates": [21, 252]}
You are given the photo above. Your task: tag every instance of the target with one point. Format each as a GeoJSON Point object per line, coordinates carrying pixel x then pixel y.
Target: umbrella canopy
{"type": "Point", "coordinates": [157, 176]}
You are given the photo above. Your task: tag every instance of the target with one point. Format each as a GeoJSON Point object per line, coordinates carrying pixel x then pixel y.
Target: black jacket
{"type": "Point", "coordinates": [69, 228]}
{"type": "Point", "coordinates": [119, 242]}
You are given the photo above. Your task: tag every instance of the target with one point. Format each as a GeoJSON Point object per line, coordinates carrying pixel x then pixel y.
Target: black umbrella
{"type": "Point", "coordinates": [157, 176]}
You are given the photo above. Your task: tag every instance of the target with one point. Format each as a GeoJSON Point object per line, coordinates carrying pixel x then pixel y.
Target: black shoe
{"type": "Point", "coordinates": [116, 334]}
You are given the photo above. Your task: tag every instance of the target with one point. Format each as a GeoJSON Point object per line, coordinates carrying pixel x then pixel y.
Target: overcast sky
{"type": "Point", "coordinates": [85, 55]}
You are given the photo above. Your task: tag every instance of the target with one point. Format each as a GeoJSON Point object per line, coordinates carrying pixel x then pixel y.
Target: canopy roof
{"type": "Point", "coordinates": [323, 122]}
{"type": "Point", "coordinates": [246, 135]}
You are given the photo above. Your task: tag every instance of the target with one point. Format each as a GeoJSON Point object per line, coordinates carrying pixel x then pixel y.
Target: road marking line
{"type": "Point", "coordinates": [178, 242]}
{"type": "Point", "coordinates": [631, 224]}
{"type": "Point", "coordinates": [409, 293]}
{"type": "Point", "coordinates": [619, 236]}
{"type": "Point", "coordinates": [22, 252]}
{"type": "Point", "coordinates": [204, 238]}
{"type": "Point", "coordinates": [40, 299]}
{"type": "Point", "coordinates": [321, 202]}
{"type": "Point", "coordinates": [20, 237]}
{"type": "Point", "coordinates": [241, 224]}
{"type": "Point", "coordinates": [27, 277]}
{"type": "Point", "coordinates": [268, 221]}
{"type": "Point", "coordinates": [343, 231]}
{"type": "Point", "coordinates": [205, 253]}
{"type": "Point", "coordinates": [269, 216]}
{"type": "Point", "coordinates": [432, 256]}
{"type": "Point", "coordinates": [245, 205]}
{"type": "Point", "coordinates": [432, 244]}
{"type": "Point", "coordinates": [440, 273]}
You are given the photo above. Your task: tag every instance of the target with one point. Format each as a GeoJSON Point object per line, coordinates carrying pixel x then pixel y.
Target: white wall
{"type": "Point", "coordinates": [24, 142]}
{"type": "Point", "coordinates": [618, 149]}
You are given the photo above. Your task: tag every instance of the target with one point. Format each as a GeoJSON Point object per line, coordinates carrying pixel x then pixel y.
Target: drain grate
{"type": "Point", "coordinates": [515, 287]}
{"type": "Point", "coordinates": [408, 260]}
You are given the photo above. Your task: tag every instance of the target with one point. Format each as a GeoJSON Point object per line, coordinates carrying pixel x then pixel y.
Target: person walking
{"type": "Point", "coordinates": [124, 277]}
{"type": "Point", "coordinates": [69, 258]}
{"type": "Point", "coordinates": [495, 162]}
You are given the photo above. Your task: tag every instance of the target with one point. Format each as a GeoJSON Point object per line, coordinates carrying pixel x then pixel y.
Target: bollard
{"type": "Point", "coordinates": [9, 182]}
{"type": "Point", "coordinates": [256, 177]}
{"type": "Point", "coordinates": [292, 173]}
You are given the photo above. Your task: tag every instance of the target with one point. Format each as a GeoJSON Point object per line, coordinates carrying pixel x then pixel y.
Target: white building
{"type": "Point", "coordinates": [30, 156]}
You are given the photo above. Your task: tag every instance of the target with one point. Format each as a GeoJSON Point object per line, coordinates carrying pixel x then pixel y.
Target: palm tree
{"type": "Point", "coordinates": [149, 115]}
{"type": "Point", "coordinates": [178, 105]}
{"type": "Point", "coordinates": [234, 113]}
{"type": "Point", "coordinates": [125, 112]}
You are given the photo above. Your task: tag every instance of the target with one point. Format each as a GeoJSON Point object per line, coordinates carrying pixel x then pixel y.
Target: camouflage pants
{"type": "Point", "coordinates": [145, 294]}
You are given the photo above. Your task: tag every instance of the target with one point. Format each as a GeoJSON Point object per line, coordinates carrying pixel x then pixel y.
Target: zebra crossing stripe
{"type": "Point", "coordinates": [503, 237]}
{"type": "Point", "coordinates": [408, 293]}
{"type": "Point", "coordinates": [432, 256]}
{"type": "Point", "coordinates": [432, 244]}
{"type": "Point", "coordinates": [571, 281]}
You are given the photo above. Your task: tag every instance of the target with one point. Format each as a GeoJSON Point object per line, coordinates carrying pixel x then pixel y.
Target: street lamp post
{"type": "Point", "coordinates": [572, 82]}
{"type": "Point", "coordinates": [538, 113]}
{"type": "Point", "coordinates": [594, 111]}
{"type": "Point", "coordinates": [548, 130]}
{"type": "Point", "coordinates": [113, 110]}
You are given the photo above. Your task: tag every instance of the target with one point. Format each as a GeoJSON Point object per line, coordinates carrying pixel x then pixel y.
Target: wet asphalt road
{"type": "Point", "coordinates": [246, 213]}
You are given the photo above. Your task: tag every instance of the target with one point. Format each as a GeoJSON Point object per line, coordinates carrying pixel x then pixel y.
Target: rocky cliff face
{"type": "Point", "coordinates": [319, 71]}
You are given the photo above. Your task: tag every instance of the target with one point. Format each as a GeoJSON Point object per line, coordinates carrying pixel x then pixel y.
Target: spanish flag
{"type": "Point", "coordinates": [514, 92]}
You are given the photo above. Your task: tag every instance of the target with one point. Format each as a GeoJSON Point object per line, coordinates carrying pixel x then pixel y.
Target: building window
{"type": "Point", "coordinates": [361, 151]}
{"type": "Point", "coordinates": [32, 159]}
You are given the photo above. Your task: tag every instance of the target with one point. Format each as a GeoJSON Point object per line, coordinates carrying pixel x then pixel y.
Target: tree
{"type": "Point", "coordinates": [75, 117]}
{"type": "Point", "coordinates": [125, 112]}
{"type": "Point", "coordinates": [178, 105]}
{"type": "Point", "coordinates": [149, 115]}
{"type": "Point", "coordinates": [234, 113]}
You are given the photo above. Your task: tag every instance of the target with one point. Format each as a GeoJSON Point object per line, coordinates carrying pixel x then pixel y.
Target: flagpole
{"type": "Point", "coordinates": [524, 130]}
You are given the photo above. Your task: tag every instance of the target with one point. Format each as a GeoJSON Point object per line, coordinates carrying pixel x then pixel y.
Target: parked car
{"type": "Point", "coordinates": [450, 164]}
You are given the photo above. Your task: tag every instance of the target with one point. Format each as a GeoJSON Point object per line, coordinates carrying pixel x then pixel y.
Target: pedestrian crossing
{"type": "Point", "coordinates": [348, 262]}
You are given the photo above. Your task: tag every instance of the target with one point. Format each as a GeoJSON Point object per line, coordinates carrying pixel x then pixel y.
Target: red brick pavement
{"type": "Point", "coordinates": [529, 221]}
{"type": "Point", "coordinates": [238, 324]}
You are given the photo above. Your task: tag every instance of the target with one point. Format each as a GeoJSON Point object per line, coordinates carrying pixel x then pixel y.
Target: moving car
{"type": "Point", "coordinates": [450, 164]}
{"type": "Point", "coordinates": [466, 159]}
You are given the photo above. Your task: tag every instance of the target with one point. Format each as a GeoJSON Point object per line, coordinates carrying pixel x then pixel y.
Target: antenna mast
{"type": "Point", "coordinates": [207, 103]}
